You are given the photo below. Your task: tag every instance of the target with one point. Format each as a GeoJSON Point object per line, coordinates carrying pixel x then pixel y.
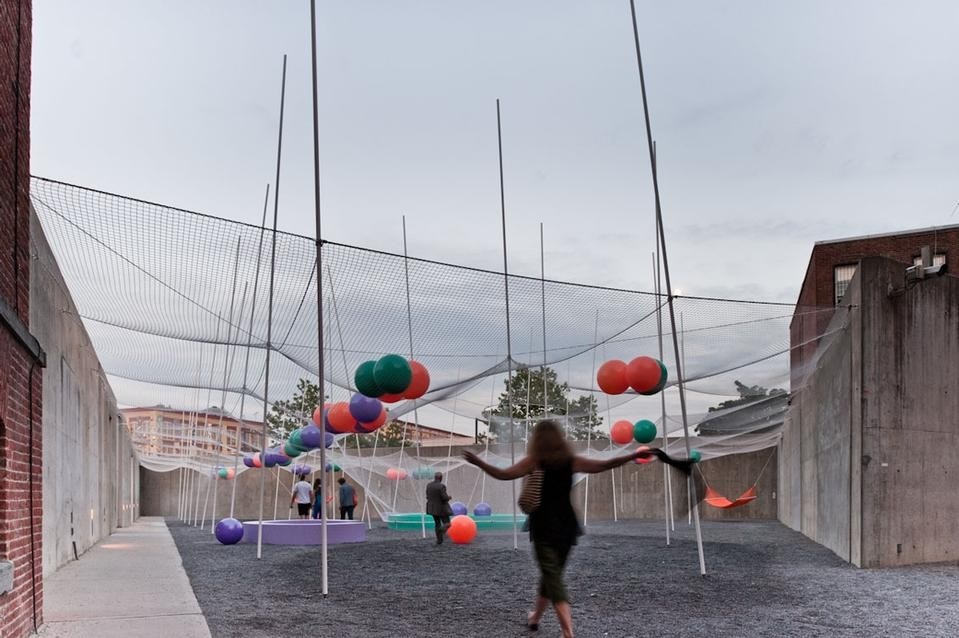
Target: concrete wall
{"type": "Point", "coordinates": [639, 490]}
{"type": "Point", "coordinates": [90, 484]}
{"type": "Point", "coordinates": [870, 439]}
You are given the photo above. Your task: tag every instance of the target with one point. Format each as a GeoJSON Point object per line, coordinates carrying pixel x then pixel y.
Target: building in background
{"type": "Point", "coordinates": [160, 431]}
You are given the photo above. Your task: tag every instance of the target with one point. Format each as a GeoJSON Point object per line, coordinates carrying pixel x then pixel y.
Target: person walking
{"type": "Point", "coordinates": [303, 497]}
{"type": "Point", "coordinates": [347, 499]}
{"type": "Point", "coordinates": [438, 506]}
{"type": "Point", "coordinates": [553, 525]}
{"type": "Point", "coordinates": [317, 499]}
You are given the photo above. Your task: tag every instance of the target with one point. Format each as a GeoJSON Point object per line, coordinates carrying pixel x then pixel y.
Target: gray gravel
{"type": "Point", "coordinates": [764, 580]}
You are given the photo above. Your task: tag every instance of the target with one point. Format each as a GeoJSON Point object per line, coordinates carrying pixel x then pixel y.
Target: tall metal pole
{"type": "Point", "coordinates": [249, 343]}
{"type": "Point", "coordinates": [269, 309]}
{"type": "Point", "coordinates": [409, 325]}
{"type": "Point", "coordinates": [667, 480]}
{"type": "Point", "coordinates": [319, 274]}
{"type": "Point", "coordinates": [542, 280]}
{"type": "Point", "coordinates": [509, 346]}
{"type": "Point", "coordinates": [669, 287]}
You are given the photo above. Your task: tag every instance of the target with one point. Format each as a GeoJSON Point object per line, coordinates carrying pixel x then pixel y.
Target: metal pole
{"type": "Point", "coordinates": [409, 325]}
{"type": "Point", "coordinates": [667, 480]}
{"type": "Point", "coordinates": [542, 273]}
{"type": "Point", "coordinates": [509, 346]}
{"type": "Point", "coordinates": [319, 273]}
{"type": "Point", "coordinates": [589, 422]}
{"type": "Point", "coordinates": [269, 312]}
{"type": "Point", "coordinates": [669, 288]}
{"type": "Point", "coordinates": [249, 342]}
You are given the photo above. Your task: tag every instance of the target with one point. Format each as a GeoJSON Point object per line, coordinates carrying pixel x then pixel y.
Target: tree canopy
{"type": "Point", "coordinates": [747, 394]}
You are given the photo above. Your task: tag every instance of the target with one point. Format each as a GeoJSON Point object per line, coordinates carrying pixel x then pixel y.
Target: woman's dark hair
{"type": "Point", "coordinates": [317, 482]}
{"type": "Point", "coordinates": [341, 480]}
{"type": "Point", "coordinates": [547, 445]}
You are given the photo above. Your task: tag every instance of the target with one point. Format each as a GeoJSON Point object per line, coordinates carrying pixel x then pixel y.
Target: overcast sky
{"type": "Point", "coordinates": [777, 124]}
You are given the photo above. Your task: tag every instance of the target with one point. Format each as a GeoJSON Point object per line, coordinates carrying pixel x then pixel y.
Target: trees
{"type": "Point", "coordinates": [747, 394]}
{"type": "Point", "coordinates": [288, 415]}
{"type": "Point", "coordinates": [527, 391]}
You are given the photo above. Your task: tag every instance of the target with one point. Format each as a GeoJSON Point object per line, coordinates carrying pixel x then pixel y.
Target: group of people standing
{"type": "Point", "coordinates": [309, 498]}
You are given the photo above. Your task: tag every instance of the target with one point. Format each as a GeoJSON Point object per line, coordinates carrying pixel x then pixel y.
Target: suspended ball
{"type": "Point", "coordinates": [644, 431]}
{"type": "Point", "coordinates": [302, 470]}
{"type": "Point", "coordinates": [695, 456]}
{"type": "Point", "coordinates": [248, 461]}
{"type": "Point", "coordinates": [462, 530]}
{"type": "Point", "coordinates": [340, 419]}
{"type": "Point", "coordinates": [366, 428]}
{"type": "Point", "coordinates": [643, 373]}
{"type": "Point", "coordinates": [255, 459]}
{"type": "Point", "coordinates": [482, 509]}
{"type": "Point", "coordinates": [221, 472]}
{"type": "Point", "coordinates": [292, 451]}
{"type": "Point", "coordinates": [621, 432]}
{"type": "Point", "coordinates": [365, 380]}
{"type": "Point", "coordinates": [296, 439]}
{"type": "Point", "coordinates": [230, 473]}
{"type": "Point", "coordinates": [269, 459]}
{"type": "Point", "coordinates": [648, 459]}
{"type": "Point", "coordinates": [332, 467]}
{"type": "Point", "coordinates": [458, 508]}
{"type": "Point", "coordinates": [229, 531]}
{"type": "Point", "coordinates": [611, 377]}
{"type": "Point", "coordinates": [391, 398]}
{"type": "Point", "coordinates": [419, 383]}
{"type": "Point", "coordinates": [364, 409]}
{"type": "Point", "coordinates": [396, 474]}
{"type": "Point", "coordinates": [311, 436]}
{"type": "Point", "coordinates": [282, 459]}
{"type": "Point", "coordinates": [391, 474]}
{"type": "Point", "coordinates": [393, 374]}
{"type": "Point", "coordinates": [328, 439]}
{"type": "Point", "coordinates": [664, 376]}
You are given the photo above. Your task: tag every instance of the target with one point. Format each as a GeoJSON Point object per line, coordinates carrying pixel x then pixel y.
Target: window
{"type": "Point", "coordinates": [937, 260]}
{"type": "Point", "coordinates": [842, 275]}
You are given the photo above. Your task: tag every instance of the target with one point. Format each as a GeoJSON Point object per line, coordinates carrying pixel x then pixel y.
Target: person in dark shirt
{"type": "Point", "coordinates": [347, 499]}
{"type": "Point", "coordinates": [553, 525]}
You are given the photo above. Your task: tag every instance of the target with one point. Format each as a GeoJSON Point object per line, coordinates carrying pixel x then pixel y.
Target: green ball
{"type": "Point", "coordinates": [365, 380]}
{"type": "Point", "coordinates": [392, 374]}
{"type": "Point", "coordinates": [296, 439]}
{"type": "Point", "coordinates": [664, 376]}
{"type": "Point", "coordinates": [695, 456]}
{"type": "Point", "coordinates": [644, 431]}
{"type": "Point", "coordinates": [292, 451]}
{"type": "Point", "coordinates": [222, 472]}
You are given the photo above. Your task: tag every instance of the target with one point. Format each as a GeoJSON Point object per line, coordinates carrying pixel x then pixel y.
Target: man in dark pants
{"type": "Point", "coordinates": [438, 506]}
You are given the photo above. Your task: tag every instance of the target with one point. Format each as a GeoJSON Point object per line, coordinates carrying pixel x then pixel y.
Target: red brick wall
{"type": "Point", "coordinates": [818, 286]}
{"type": "Point", "coordinates": [20, 377]}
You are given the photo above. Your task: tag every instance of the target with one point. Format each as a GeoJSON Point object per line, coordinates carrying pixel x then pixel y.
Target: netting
{"type": "Point", "coordinates": [154, 286]}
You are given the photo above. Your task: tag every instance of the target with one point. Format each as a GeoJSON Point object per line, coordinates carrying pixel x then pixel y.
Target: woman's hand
{"type": "Point", "coordinates": [471, 457]}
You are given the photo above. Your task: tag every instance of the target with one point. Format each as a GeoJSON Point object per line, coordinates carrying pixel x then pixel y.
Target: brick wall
{"type": "Point", "coordinates": [21, 504]}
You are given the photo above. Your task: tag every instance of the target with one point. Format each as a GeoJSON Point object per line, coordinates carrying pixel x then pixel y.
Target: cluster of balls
{"type": "Point", "coordinates": [392, 378]}
{"type": "Point", "coordinates": [643, 374]}
{"type": "Point", "coordinates": [224, 472]}
{"type": "Point", "coordinates": [481, 509]}
{"type": "Point", "coordinates": [301, 470]}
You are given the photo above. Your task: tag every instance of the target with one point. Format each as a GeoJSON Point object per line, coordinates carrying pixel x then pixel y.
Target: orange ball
{"type": "Point", "coordinates": [391, 398]}
{"type": "Point", "coordinates": [648, 459]}
{"type": "Point", "coordinates": [340, 418]}
{"type": "Point", "coordinates": [643, 374]}
{"type": "Point", "coordinates": [366, 428]}
{"type": "Point", "coordinates": [420, 382]}
{"type": "Point", "coordinates": [611, 377]}
{"type": "Point", "coordinates": [462, 530]}
{"type": "Point", "coordinates": [621, 432]}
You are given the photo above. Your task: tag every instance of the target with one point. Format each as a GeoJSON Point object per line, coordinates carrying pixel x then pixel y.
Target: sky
{"type": "Point", "coordinates": [777, 125]}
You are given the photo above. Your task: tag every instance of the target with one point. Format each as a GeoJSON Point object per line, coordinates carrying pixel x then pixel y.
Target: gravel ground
{"type": "Point", "coordinates": [763, 580]}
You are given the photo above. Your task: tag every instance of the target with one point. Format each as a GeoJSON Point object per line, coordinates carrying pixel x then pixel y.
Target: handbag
{"type": "Point", "coordinates": [531, 495]}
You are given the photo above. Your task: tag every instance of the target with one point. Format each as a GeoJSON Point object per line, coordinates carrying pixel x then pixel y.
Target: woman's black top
{"type": "Point", "coordinates": [554, 522]}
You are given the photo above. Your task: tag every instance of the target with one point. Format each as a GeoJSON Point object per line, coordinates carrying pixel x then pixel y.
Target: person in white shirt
{"type": "Point", "coordinates": [303, 497]}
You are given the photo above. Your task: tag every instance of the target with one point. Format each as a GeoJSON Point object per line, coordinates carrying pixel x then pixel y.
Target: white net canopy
{"type": "Point", "coordinates": [176, 304]}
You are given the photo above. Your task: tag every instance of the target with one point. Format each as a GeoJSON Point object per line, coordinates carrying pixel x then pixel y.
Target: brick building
{"type": "Point", "coordinates": [160, 431]}
{"type": "Point", "coordinates": [21, 359]}
{"type": "Point", "coordinates": [831, 267]}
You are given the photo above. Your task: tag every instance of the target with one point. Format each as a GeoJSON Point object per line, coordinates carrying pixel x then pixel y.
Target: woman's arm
{"type": "Point", "coordinates": [595, 466]}
{"type": "Point", "coordinates": [521, 468]}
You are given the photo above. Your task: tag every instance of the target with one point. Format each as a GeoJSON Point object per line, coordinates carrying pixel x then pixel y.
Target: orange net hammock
{"type": "Point", "coordinates": [715, 499]}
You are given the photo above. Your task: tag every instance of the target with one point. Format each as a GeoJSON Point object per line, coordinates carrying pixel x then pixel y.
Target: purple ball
{"type": "Point", "coordinates": [229, 531]}
{"type": "Point", "coordinates": [302, 470]}
{"type": "Point", "coordinates": [328, 438]}
{"type": "Point", "coordinates": [364, 409]}
{"type": "Point", "coordinates": [311, 436]}
{"type": "Point", "coordinates": [482, 509]}
{"type": "Point", "coordinates": [458, 508]}
{"type": "Point", "coordinates": [248, 461]}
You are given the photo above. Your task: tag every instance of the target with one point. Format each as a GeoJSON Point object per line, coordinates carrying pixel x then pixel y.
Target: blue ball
{"type": "Point", "coordinates": [458, 508]}
{"type": "Point", "coordinates": [482, 509]}
{"type": "Point", "coordinates": [311, 436]}
{"type": "Point", "coordinates": [365, 409]}
{"type": "Point", "coordinates": [229, 531]}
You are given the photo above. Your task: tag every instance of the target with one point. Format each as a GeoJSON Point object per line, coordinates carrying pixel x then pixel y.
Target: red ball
{"type": "Point", "coordinates": [366, 428]}
{"type": "Point", "coordinates": [621, 432]}
{"type": "Point", "coordinates": [643, 373]}
{"type": "Point", "coordinates": [420, 382]}
{"type": "Point", "coordinates": [340, 418]}
{"type": "Point", "coordinates": [462, 530]}
{"type": "Point", "coordinates": [611, 377]}
{"type": "Point", "coordinates": [391, 398]}
{"type": "Point", "coordinates": [648, 459]}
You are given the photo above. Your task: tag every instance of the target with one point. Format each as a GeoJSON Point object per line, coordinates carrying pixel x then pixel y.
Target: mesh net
{"type": "Point", "coordinates": [176, 304]}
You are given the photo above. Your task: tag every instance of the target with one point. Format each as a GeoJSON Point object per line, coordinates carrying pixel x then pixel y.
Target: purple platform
{"type": "Point", "coordinates": [305, 532]}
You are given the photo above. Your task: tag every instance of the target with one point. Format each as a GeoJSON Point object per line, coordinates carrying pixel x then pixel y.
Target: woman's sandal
{"type": "Point", "coordinates": [532, 626]}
